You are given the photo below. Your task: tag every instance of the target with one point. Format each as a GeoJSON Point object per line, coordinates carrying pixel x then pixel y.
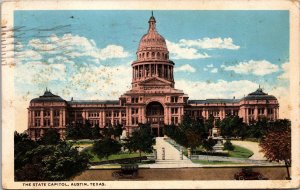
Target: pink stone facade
{"type": "Point", "coordinates": [152, 99]}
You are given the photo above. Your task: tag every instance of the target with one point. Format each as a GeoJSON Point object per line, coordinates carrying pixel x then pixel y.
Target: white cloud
{"type": "Point", "coordinates": [76, 46]}
{"type": "Point", "coordinates": [260, 67]}
{"type": "Point", "coordinates": [210, 43]}
{"type": "Point", "coordinates": [205, 69]}
{"type": "Point", "coordinates": [214, 70]}
{"type": "Point", "coordinates": [286, 71]}
{"type": "Point", "coordinates": [179, 52]}
{"type": "Point", "coordinates": [39, 73]}
{"type": "Point", "coordinates": [219, 89]}
{"type": "Point", "coordinates": [210, 65]}
{"type": "Point", "coordinates": [185, 68]}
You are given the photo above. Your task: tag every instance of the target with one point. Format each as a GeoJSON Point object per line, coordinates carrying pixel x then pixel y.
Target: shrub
{"type": "Point", "coordinates": [228, 145]}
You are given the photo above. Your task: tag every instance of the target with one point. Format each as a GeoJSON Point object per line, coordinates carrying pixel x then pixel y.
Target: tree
{"type": "Point", "coordinates": [228, 145]}
{"type": "Point", "coordinates": [208, 144]}
{"type": "Point", "coordinates": [51, 162]}
{"type": "Point", "coordinates": [22, 144]}
{"type": "Point", "coordinates": [232, 126]}
{"type": "Point", "coordinates": [190, 133]}
{"type": "Point", "coordinates": [51, 137]}
{"type": "Point", "coordinates": [141, 140]}
{"type": "Point", "coordinates": [106, 147]}
{"type": "Point", "coordinates": [276, 144]}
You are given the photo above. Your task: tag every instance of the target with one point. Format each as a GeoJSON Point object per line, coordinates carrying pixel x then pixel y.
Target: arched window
{"type": "Point", "coordinates": [153, 54]}
{"type": "Point", "coordinates": [147, 54]}
{"type": "Point", "coordinates": [158, 55]}
{"type": "Point", "coordinates": [143, 55]}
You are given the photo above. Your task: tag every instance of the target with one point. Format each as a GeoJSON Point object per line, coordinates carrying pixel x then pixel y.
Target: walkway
{"type": "Point", "coordinates": [172, 156]}
{"type": "Point", "coordinates": [253, 146]}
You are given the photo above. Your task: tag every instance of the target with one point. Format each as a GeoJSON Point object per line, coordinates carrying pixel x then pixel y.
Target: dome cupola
{"type": "Point", "coordinates": [152, 45]}
{"type": "Point", "coordinates": [152, 58]}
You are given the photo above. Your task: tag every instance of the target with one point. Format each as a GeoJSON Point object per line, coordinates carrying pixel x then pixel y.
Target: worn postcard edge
{"type": "Point", "coordinates": [8, 106]}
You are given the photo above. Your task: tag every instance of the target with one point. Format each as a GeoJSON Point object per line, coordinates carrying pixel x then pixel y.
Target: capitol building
{"type": "Point", "coordinates": [152, 99]}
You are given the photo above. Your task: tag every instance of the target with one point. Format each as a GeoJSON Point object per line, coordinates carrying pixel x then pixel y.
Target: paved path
{"type": "Point", "coordinates": [253, 146]}
{"type": "Point", "coordinates": [172, 156]}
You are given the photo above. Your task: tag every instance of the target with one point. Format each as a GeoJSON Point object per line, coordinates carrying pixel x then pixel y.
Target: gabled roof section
{"type": "Point", "coordinates": [156, 81]}
{"type": "Point", "coordinates": [48, 96]}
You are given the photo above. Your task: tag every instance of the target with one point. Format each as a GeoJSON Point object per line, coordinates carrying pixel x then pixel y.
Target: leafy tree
{"type": "Point", "coordinates": [208, 144]}
{"type": "Point", "coordinates": [228, 145]}
{"type": "Point", "coordinates": [141, 140]}
{"type": "Point", "coordinates": [52, 162]}
{"type": "Point", "coordinates": [22, 144]}
{"type": "Point", "coordinates": [276, 144]}
{"type": "Point", "coordinates": [95, 132]}
{"type": "Point", "coordinates": [231, 126]}
{"type": "Point", "coordinates": [51, 137]}
{"type": "Point", "coordinates": [118, 130]}
{"type": "Point", "coordinates": [190, 133]}
{"type": "Point", "coordinates": [106, 147]}
{"type": "Point", "coordinates": [77, 131]}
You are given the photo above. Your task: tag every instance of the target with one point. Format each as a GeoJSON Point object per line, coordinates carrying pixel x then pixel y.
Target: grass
{"type": "Point", "coordinates": [237, 152]}
{"type": "Point", "coordinates": [95, 158]}
{"type": "Point", "coordinates": [206, 162]}
{"type": "Point", "coordinates": [240, 152]}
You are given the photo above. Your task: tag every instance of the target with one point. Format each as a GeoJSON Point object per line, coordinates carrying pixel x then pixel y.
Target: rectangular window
{"type": "Point", "coordinates": [56, 122]}
{"type": "Point", "coordinates": [261, 111]}
{"type": "Point", "coordinates": [174, 99]}
{"type": "Point", "coordinates": [46, 113]}
{"type": "Point", "coordinates": [37, 113]}
{"type": "Point", "coordinates": [37, 122]}
{"type": "Point", "coordinates": [174, 110]}
{"type": "Point", "coordinates": [108, 114]}
{"type": "Point", "coordinates": [174, 120]}
{"type": "Point", "coordinates": [250, 111]}
{"type": "Point", "coordinates": [134, 111]}
{"type": "Point", "coordinates": [123, 114]}
{"type": "Point", "coordinates": [46, 122]}
{"type": "Point", "coordinates": [116, 114]}
{"type": "Point", "coordinates": [56, 113]}
{"type": "Point", "coordinates": [270, 111]}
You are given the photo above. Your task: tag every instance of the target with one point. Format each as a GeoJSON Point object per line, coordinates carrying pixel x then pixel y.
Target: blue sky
{"type": "Point", "coordinates": [87, 54]}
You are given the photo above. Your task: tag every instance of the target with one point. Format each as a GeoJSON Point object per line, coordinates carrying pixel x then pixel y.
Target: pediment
{"type": "Point", "coordinates": [155, 81]}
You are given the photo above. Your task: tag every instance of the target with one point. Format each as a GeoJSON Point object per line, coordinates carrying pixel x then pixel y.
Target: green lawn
{"type": "Point", "coordinates": [206, 162]}
{"type": "Point", "coordinates": [95, 158]}
{"type": "Point", "coordinates": [240, 152]}
{"type": "Point", "coordinates": [237, 152]}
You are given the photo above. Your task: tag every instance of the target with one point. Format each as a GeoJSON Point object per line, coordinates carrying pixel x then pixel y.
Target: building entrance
{"type": "Point", "coordinates": [155, 117]}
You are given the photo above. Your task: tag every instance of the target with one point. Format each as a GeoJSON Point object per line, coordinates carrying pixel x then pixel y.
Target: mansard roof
{"type": "Point", "coordinates": [214, 101]}
{"type": "Point", "coordinates": [115, 102]}
{"type": "Point", "coordinates": [259, 95]}
{"type": "Point", "coordinates": [48, 96]}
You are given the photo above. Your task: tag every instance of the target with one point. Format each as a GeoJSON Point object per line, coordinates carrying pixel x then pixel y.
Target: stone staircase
{"type": "Point", "coordinates": [172, 157]}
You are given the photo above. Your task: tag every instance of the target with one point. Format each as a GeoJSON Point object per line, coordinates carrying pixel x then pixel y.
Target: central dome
{"type": "Point", "coordinates": [152, 40]}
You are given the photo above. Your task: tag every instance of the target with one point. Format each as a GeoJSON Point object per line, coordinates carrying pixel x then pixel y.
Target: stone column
{"type": "Point", "coordinates": [51, 117]}
{"type": "Point", "coordinates": [42, 118]}
{"type": "Point", "coordinates": [60, 119]}
{"type": "Point", "coordinates": [64, 118]}
{"type": "Point", "coordinates": [255, 113]}
{"type": "Point", "coordinates": [156, 70]}
{"type": "Point", "coordinates": [104, 117]}
{"type": "Point", "coordinates": [29, 118]}
{"type": "Point", "coordinates": [120, 116]}
{"type": "Point", "coordinates": [112, 117]}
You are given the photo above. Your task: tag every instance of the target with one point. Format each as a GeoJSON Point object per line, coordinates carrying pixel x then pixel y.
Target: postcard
{"type": "Point", "coordinates": [146, 94]}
